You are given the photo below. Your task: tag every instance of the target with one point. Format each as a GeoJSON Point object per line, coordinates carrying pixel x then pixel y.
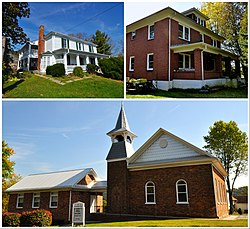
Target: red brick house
{"type": "Point", "coordinates": [176, 50]}
{"type": "Point", "coordinates": [166, 176]}
{"type": "Point", "coordinates": [57, 191]}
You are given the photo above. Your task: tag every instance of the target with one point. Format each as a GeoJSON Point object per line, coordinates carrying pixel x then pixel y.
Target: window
{"type": "Point", "coordinates": [133, 35]}
{"type": "Point", "coordinates": [36, 200]}
{"type": "Point", "coordinates": [181, 192]}
{"type": "Point", "coordinates": [65, 43]}
{"type": "Point", "coordinates": [184, 61]}
{"type": "Point", "coordinates": [202, 37]}
{"type": "Point", "coordinates": [78, 46]}
{"type": "Point", "coordinates": [53, 200]}
{"type": "Point", "coordinates": [92, 60]}
{"type": "Point", "coordinates": [150, 192]}
{"type": "Point", "coordinates": [150, 61]}
{"type": "Point", "coordinates": [131, 63]}
{"type": "Point", "coordinates": [184, 32]}
{"type": "Point", "coordinates": [214, 43]}
{"type": "Point", "coordinates": [151, 33]}
{"type": "Point", "coordinates": [20, 199]}
{"type": "Point", "coordinates": [91, 49]}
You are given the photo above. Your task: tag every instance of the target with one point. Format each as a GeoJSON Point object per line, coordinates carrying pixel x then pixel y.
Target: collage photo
{"type": "Point", "coordinates": [125, 113]}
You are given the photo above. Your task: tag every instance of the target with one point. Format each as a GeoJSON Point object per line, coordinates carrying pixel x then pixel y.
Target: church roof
{"type": "Point", "coordinates": [55, 180]}
{"type": "Point", "coordinates": [121, 124]}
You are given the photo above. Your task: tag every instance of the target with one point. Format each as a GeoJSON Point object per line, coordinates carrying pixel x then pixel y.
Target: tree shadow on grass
{"type": "Point", "coordinates": [12, 86]}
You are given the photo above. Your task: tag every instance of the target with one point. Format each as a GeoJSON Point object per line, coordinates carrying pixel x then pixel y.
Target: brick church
{"type": "Point", "coordinates": [166, 176]}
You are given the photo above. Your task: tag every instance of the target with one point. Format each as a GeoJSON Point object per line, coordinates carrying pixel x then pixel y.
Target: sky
{"type": "Point", "coordinates": [75, 17]}
{"type": "Point", "coordinates": [62, 135]}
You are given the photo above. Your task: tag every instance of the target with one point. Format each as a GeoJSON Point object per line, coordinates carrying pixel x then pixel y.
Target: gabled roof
{"type": "Point", "coordinates": [53, 180]}
{"type": "Point", "coordinates": [121, 124]}
{"type": "Point", "coordinates": [178, 152]}
{"type": "Point", "coordinates": [194, 10]}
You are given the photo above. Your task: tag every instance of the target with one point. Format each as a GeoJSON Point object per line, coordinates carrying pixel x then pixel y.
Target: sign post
{"type": "Point", "coordinates": [78, 214]}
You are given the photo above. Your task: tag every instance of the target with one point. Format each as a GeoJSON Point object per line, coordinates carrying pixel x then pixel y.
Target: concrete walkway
{"type": "Point", "coordinates": [235, 217]}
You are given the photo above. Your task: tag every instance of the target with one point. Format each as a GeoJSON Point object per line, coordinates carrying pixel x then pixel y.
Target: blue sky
{"type": "Point", "coordinates": [61, 135]}
{"type": "Point", "coordinates": [75, 17]}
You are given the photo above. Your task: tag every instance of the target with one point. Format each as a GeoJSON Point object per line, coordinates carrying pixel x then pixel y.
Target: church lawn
{"type": "Point", "coordinates": [175, 223]}
{"type": "Point", "coordinates": [224, 93]}
{"type": "Point", "coordinates": [36, 87]}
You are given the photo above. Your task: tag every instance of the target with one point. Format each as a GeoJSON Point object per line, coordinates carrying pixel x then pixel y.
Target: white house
{"type": "Point", "coordinates": [28, 54]}
{"type": "Point", "coordinates": [54, 48]}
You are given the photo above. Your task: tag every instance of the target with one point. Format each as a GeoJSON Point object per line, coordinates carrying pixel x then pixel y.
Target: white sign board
{"type": "Point", "coordinates": [78, 213]}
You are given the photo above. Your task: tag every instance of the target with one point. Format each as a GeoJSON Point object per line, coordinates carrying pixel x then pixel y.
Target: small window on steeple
{"type": "Point", "coordinates": [119, 138]}
{"type": "Point", "coordinates": [129, 139]}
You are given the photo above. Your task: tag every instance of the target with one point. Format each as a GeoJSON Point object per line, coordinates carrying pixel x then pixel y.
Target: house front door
{"type": "Point", "coordinates": [92, 204]}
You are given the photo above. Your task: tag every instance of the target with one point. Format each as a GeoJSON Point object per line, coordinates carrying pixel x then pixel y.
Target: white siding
{"type": "Point", "coordinates": [57, 43]}
{"type": "Point", "coordinates": [95, 49]}
{"type": "Point", "coordinates": [48, 45]}
{"type": "Point", "coordinates": [174, 149]}
{"type": "Point", "coordinates": [72, 44]}
{"type": "Point", "coordinates": [86, 48]}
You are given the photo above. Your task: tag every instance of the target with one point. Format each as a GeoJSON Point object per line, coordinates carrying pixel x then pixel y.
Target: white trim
{"type": "Point", "coordinates": [118, 159]}
{"type": "Point", "coordinates": [35, 194]}
{"type": "Point", "coordinates": [150, 54]}
{"type": "Point", "coordinates": [149, 37]}
{"type": "Point", "coordinates": [19, 196]}
{"type": "Point", "coordinates": [53, 194]}
{"type": "Point", "coordinates": [130, 69]}
{"type": "Point", "coordinates": [183, 32]}
{"type": "Point", "coordinates": [69, 216]}
{"type": "Point", "coordinates": [177, 192]}
{"type": "Point", "coordinates": [184, 61]}
{"type": "Point", "coordinates": [149, 184]}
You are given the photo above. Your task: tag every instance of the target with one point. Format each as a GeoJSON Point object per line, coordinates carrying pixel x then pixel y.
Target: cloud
{"type": "Point", "coordinates": [66, 136]}
{"type": "Point", "coordinates": [22, 150]}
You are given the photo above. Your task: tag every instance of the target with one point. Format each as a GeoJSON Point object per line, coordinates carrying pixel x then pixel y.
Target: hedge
{"type": "Point", "coordinates": [39, 218]}
{"type": "Point", "coordinates": [91, 68]}
{"type": "Point", "coordinates": [11, 219]}
{"type": "Point", "coordinates": [55, 70]}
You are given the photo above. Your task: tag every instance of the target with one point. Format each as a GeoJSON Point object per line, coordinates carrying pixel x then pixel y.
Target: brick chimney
{"type": "Point", "coordinates": [41, 43]}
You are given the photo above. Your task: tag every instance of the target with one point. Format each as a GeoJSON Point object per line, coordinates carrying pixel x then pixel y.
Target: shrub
{"type": "Point", "coordinates": [55, 70]}
{"type": "Point", "coordinates": [91, 68]}
{"type": "Point", "coordinates": [111, 65]}
{"type": "Point", "coordinates": [78, 72]}
{"type": "Point", "coordinates": [39, 218]}
{"type": "Point", "coordinates": [11, 219]}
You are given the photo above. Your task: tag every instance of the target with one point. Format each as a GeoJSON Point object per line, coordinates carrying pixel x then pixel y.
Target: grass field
{"type": "Point", "coordinates": [175, 93]}
{"type": "Point", "coordinates": [36, 87]}
{"type": "Point", "coordinates": [175, 223]}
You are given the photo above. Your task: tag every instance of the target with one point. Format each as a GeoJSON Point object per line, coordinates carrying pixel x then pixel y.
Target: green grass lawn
{"type": "Point", "coordinates": [175, 93]}
{"type": "Point", "coordinates": [36, 87]}
{"type": "Point", "coordinates": [175, 223]}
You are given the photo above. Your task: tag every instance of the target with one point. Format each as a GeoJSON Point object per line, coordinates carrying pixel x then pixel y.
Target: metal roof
{"type": "Point", "coordinates": [53, 180]}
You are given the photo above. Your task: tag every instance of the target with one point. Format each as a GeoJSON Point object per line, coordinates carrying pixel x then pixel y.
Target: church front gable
{"type": "Point", "coordinates": [165, 148]}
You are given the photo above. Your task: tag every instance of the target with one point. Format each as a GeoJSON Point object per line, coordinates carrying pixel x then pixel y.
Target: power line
{"type": "Point", "coordinates": [89, 19]}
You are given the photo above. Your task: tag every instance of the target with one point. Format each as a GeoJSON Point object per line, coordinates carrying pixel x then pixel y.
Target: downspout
{"type": "Point", "coordinates": [69, 206]}
{"type": "Point", "coordinates": [202, 68]}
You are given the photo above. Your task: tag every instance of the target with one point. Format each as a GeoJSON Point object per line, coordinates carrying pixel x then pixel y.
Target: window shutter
{"type": "Point", "coordinates": [68, 43]}
{"type": "Point", "coordinates": [62, 42]}
{"type": "Point", "coordinates": [76, 46]}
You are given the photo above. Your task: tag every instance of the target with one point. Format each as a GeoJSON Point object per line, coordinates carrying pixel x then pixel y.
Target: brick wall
{"type": "Point", "coordinates": [200, 192]}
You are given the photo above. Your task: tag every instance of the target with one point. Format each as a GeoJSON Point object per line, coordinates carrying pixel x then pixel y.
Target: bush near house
{"type": "Point", "coordinates": [39, 218]}
{"type": "Point", "coordinates": [112, 67]}
{"type": "Point", "coordinates": [91, 68]}
{"type": "Point", "coordinates": [11, 219]}
{"type": "Point", "coordinates": [77, 71]}
{"type": "Point", "coordinates": [55, 70]}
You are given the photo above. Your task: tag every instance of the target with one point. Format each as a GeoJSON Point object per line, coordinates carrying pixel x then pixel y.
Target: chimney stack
{"type": "Point", "coordinates": [41, 44]}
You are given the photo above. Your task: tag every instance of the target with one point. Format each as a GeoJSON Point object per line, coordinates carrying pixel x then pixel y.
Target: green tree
{"type": "Point", "coordinates": [103, 42]}
{"type": "Point", "coordinates": [229, 144]}
{"type": "Point", "coordinates": [226, 18]}
{"type": "Point", "coordinates": [8, 176]}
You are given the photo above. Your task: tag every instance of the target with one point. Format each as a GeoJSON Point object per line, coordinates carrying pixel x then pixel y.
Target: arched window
{"type": "Point", "coordinates": [150, 192]}
{"type": "Point", "coordinates": [181, 192]}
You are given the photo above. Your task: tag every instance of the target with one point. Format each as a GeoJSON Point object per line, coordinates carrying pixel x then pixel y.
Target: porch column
{"type": "Point", "coordinates": [65, 61]}
{"type": "Point", "coordinates": [87, 60]}
{"type": "Point", "coordinates": [77, 60]}
{"type": "Point", "coordinates": [96, 61]}
{"type": "Point", "coordinates": [228, 66]}
{"type": "Point", "coordinates": [237, 68]}
{"type": "Point", "coordinates": [219, 64]}
{"type": "Point", "coordinates": [198, 64]}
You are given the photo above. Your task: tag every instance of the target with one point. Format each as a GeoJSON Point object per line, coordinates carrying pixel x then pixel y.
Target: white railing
{"type": "Point", "coordinates": [60, 61]}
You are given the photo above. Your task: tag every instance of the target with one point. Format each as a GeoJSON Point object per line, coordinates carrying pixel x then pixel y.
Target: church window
{"type": "Point", "coordinates": [119, 138]}
{"type": "Point", "coordinates": [181, 192]}
{"type": "Point", "coordinates": [150, 192]}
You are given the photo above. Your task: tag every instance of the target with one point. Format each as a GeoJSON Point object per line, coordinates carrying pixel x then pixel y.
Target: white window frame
{"type": "Point", "coordinates": [184, 61]}
{"type": "Point", "coordinates": [19, 196]}
{"type": "Point", "coordinates": [130, 65]}
{"type": "Point", "coordinates": [133, 35]}
{"type": "Point", "coordinates": [177, 192]}
{"type": "Point", "coordinates": [53, 194]}
{"type": "Point", "coordinates": [148, 68]}
{"type": "Point", "coordinates": [183, 32]}
{"type": "Point", "coordinates": [149, 34]}
{"type": "Point", "coordinates": [214, 43]}
{"type": "Point", "coordinates": [36, 195]}
{"type": "Point", "coordinates": [202, 37]}
{"type": "Point", "coordinates": [149, 184]}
